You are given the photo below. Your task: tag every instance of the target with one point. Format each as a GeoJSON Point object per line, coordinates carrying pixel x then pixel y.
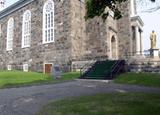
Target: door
{"type": "Point", "coordinates": [48, 68]}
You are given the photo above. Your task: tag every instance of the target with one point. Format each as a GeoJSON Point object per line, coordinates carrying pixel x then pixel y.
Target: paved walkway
{"type": "Point", "coordinates": [28, 100]}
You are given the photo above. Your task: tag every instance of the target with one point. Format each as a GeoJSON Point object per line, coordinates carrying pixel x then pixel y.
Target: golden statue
{"type": "Point", "coordinates": [153, 38]}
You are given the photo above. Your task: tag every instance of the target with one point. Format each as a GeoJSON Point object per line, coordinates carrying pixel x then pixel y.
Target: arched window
{"type": "Point", "coordinates": [48, 22]}
{"type": "Point", "coordinates": [114, 47]}
{"type": "Point", "coordinates": [10, 34]}
{"type": "Point", "coordinates": [26, 29]}
{"type": "Point", "coordinates": [113, 39]}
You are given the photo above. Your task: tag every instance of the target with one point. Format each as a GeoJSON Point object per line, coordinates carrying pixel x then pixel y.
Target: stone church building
{"type": "Point", "coordinates": [38, 34]}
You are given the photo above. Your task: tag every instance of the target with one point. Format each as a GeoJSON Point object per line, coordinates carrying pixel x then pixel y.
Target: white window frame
{"type": "Point", "coordinates": [10, 34]}
{"type": "Point", "coordinates": [48, 22]}
{"type": "Point", "coordinates": [9, 67]}
{"type": "Point", "coordinates": [0, 30]}
{"type": "Point", "coordinates": [25, 67]}
{"type": "Point", "coordinates": [26, 29]}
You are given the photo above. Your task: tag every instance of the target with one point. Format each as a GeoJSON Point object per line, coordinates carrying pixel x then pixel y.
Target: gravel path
{"type": "Point", "coordinates": [28, 100]}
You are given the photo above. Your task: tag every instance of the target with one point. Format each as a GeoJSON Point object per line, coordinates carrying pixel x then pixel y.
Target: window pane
{"type": "Point", "coordinates": [10, 34]}
{"type": "Point", "coordinates": [26, 28]}
{"type": "Point", "coordinates": [48, 35]}
{"type": "Point", "coordinates": [48, 21]}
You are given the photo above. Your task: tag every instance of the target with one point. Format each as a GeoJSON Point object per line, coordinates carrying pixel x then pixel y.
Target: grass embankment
{"type": "Point", "coordinates": [145, 79]}
{"type": "Point", "coordinates": [17, 78]}
{"type": "Point", "coordinates": [106, 104]}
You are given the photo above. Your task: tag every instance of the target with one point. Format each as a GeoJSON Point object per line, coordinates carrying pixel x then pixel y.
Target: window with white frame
{"type": "Point", "coordinates": [48, 22]}
{"type": "Point", "coordinates": [0, 30]}
{"type": "Point", "coordinates": [25, 67]}
{"type": "Point", "coordinates": [26, 29]}
{"type": "Point", "coordinates": [10, 34]}
{"type": "Point", "coordinates": [9, 67]}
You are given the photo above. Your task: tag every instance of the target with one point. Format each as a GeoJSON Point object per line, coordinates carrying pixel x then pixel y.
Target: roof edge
{"type": "Point", "coordinates": [137, 17]}
{"type": "Point", "coordinates": [19, 4]}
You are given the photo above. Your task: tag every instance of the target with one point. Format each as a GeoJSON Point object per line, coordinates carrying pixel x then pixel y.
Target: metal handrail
{"type": "Point", "coordinates": [117, 67]}
{"type": "Point", "coordinates": [86, 67]}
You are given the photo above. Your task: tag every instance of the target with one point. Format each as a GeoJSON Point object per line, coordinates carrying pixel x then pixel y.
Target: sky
{"type": "Point", "coordinates": [10, 2]}
{"type": "Point", "coordinates": [151, 20]}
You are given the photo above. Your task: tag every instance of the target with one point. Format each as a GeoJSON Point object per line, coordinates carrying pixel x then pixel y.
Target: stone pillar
{"type": "Point", "coordinates": [137, 40]}
{"type": "Point", "coordinates": [141, 43]}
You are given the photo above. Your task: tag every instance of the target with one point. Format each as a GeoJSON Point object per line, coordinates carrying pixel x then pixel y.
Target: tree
{"type": "Point", "coordinates": [97, 8]}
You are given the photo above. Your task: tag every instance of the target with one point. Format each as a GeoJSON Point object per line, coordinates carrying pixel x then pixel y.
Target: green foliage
{"type": "Point", "coordinates": [106, 104]}
{"type": "Point", "coordinates": [145, 79]}
{"type": "Point", "coordinates": [97, 8]}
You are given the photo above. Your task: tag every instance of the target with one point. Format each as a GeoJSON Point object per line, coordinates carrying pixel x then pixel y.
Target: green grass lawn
{"type": "Point", "coordinates": [17, 78]}
{"type": "Point", "coordinates": [145, 79]}
{"type": "Point", "coordinates": [106, 104]}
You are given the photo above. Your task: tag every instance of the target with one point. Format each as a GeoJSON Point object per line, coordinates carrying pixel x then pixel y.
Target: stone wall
{"type": "Point", "coordinates": [143, 64]}
{"type": "Point", "coordinates": [99, 34]}
{"type": "Point", "coordinates": [78, 30]}
{"type": "Point", "coordinates": [38, 53]}
{"type": "Point", "coordinates": [75, 39]}
{"type": "Point", "coordinates": [96, 38]}
{"type": "Point", "coordinates": [124, 30]}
